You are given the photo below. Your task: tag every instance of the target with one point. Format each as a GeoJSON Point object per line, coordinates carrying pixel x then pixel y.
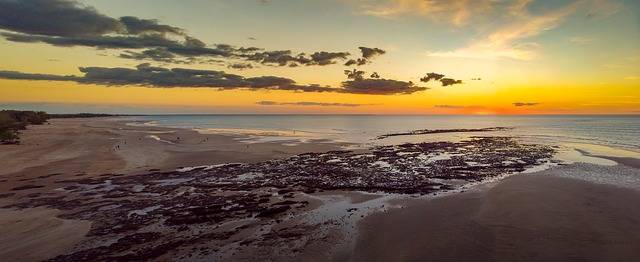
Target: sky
{"type": "Point", "coordinates": [321, 57]}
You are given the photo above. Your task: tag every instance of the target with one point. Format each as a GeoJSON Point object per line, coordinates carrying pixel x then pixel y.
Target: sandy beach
{"type": "Point", "coordinates": [86, 148]}
{"type": "Point", "coordinates": [542, 216]}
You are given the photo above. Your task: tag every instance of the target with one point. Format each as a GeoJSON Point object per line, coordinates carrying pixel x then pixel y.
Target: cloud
{"type": "Point", "coordinates": [55, 18]}
{"type": "Point", "coordinates": [137, 26]}
{"type": "Point", "coordinates": [150, 76]}
{"type": "Point", "coordinates": [507, 41]}
{"type": "Point", "coordinates": [305, 103]}
{"type": "Point", "coordinates": [525, 104]}
{"type": "Point", "coordinates": [603, 8]}
{"type": "Point", "coordinates": [450, 81]}
{"type": "Point", "coordinates": [240, 66]}
{"type": "Point", "coordinates": [65, 18]}
{"type": "Point", "coordinates": [632, 78]}
{"type": "Point", "coordinates": [355, 74]}
{"type": "Point", "coordinates": [440, 77]}
{"type": "Point", "coordinates": [287, 58]}
{"type": "Point", "coordinates": [327, 58]}
{"type": "Point", "coordinates": [580, 40]}
{"type": "Point", "coordinates": [431, 76]}
{"type": "Point", "coordinates": [14, 75]}
{"type": "Point", "coordinates": [449, 106]}
{"type": "Point", "coordinates": [456, 12]}
{"type": "Point", "coordinates": [155, 54]}
{"type": "Point", "coordinates": [380, 87]}
{"type": "Point", "coordinates": [166, 50]}
{"type": "Point", "coordinates": [367, 54]}
{"type": "Point", "coordinates": [444, 106]}
{"type": "Point", "coordinates": [67, 23]}
{"type": "Point", "coordinates": [160, 77]}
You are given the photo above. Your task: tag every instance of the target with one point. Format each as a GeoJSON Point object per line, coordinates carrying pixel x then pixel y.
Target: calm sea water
{"type": "Point", "coordinates": [613, 131]}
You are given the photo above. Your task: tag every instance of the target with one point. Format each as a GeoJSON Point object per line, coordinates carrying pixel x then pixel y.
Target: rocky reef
{"type": "Point", "coordinates": [214, 211]}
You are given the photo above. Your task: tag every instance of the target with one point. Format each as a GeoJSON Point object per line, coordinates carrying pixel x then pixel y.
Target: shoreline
{"type": "Point", "coordinates": [89, 148]}
{"type": "Point", "coordinates": [527, 217]}
{"type": "Point", "coordinates": [98, 147]}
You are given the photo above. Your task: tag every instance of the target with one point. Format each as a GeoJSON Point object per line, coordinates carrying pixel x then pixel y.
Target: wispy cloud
{"type": "Point", "coordinates": [507, 41]}
{"type": "Point", "coordinates": [306, 103]}
{"type": "Point", "coordinates": [602, 8]}
{"type": "Point", "coordinates": [456, 12]}
{"type": "Point", "coordinates": [519, 104]}
{"type": "Point", "coordinates": [445, 106]}
{"type": "Point", "coordinates": [632, 78]}
{"type": "Point", "coordinates": [581, 40]}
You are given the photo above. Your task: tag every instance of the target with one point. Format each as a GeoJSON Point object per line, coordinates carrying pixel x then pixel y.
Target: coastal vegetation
{"type": "Point", "coordinates": [12, 121]}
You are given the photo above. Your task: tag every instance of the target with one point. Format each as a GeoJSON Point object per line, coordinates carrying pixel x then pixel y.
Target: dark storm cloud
{"type": "Point", "coordinates": [152, 76]}
{"type": "Point", "coordinates": [525, 104]}
{"type": "Point", "coordinates": [305, 103]}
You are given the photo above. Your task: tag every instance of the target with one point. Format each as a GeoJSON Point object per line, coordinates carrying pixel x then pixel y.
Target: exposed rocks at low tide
{"type": "Point", "coordinates": [441, 131]}
{"type": "Point", "coordinates": [216, 211]}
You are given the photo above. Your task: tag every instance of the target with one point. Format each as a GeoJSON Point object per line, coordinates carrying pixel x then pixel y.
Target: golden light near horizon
{"type": "Point", "coordinates": [510, 57]}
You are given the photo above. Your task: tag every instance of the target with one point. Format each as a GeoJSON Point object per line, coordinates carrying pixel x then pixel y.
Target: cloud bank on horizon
{"type": "Point", "coordinates": [160, 77]}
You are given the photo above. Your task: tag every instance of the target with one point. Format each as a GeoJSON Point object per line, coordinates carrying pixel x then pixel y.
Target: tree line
{"type": "Point", "coordinates": [13, 121]}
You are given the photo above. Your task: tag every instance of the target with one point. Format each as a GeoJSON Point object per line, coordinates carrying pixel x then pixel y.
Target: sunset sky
{"type": "Point", "coordinates": [278, 56]}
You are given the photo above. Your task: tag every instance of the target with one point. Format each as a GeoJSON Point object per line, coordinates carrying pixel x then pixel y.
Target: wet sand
{"type": "Point", "coordinates": [537, 217]}
{"type": "Point", "coordinates": [35, 234]}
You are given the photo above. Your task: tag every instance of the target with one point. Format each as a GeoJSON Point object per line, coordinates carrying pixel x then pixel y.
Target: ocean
{"type": "Point", "coordinates": [615, 132]}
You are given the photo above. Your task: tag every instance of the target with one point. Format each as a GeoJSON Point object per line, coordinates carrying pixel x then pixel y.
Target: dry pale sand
{"type": "Point", "coordinates": [523, 218]}
{"type": "Point", "coordinates": [82, 148]}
